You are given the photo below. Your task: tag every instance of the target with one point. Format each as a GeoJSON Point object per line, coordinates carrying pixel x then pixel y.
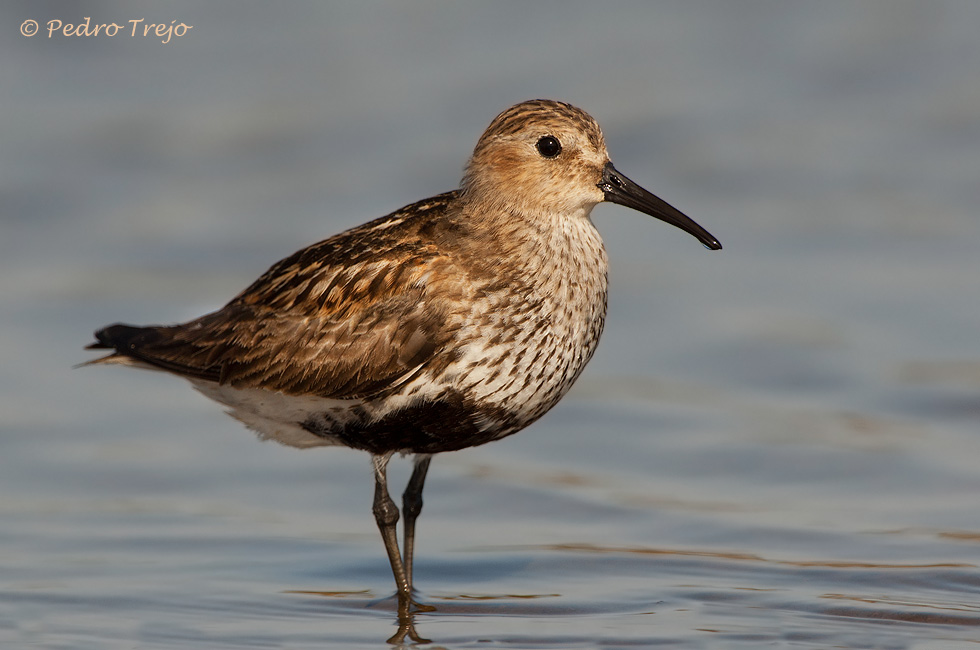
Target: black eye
{"type": "Point", "coordinates": [548, 146]}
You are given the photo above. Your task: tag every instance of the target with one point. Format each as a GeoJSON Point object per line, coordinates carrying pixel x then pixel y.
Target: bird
{"type": "Point", "coordinates": [452, 322]}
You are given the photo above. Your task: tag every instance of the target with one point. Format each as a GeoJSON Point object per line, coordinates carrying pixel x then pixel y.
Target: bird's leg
{"type": "Point", "coordinates": [386, 514]}
{"type": "Point", "coordinates": [406, 628]}
{"type": "Point", "coordinates": [411, 507]}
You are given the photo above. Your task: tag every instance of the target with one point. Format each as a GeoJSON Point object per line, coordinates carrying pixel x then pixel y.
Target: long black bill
{"type": "Point", "coordinates": [621, 190]}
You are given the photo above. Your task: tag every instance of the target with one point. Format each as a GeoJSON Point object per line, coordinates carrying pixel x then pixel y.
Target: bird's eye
{"type": "Point", "coordinates": [548, 146]}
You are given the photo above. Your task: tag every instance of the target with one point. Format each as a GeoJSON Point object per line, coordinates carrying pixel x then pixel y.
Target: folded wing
{"type": "Point", "coordinates": [348, 318]}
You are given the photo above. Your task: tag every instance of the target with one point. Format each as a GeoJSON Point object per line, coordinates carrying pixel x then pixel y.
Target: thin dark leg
{"type": "Point", "coordinates": [386, 514]}
{"type": "Point", "coordinates": [411, 507]}
{"type": "Point", "coordinates": [406, 628]}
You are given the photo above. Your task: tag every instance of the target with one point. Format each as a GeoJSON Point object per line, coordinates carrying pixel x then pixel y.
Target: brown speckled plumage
{"type": "Point", "coordinates": [449, 323]}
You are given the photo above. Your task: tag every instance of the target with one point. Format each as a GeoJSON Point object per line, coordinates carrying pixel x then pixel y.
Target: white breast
{"type": "Point", "coordinates": [552, 331]}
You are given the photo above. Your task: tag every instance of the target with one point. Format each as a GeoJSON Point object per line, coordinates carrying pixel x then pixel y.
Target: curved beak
{"type": "Point", "coordinates": [619, 189]}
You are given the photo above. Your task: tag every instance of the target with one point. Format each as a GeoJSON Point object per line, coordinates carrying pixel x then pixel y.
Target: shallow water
{"type": "Point", "coordinates": [776, 445]}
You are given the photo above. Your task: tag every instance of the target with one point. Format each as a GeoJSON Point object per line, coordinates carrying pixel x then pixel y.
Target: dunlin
{"type": "Point", "coordinates": [450, 323]}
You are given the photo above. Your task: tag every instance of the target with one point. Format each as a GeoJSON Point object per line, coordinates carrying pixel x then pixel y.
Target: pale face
{"type": "Point", "coordinates": [544, 160]}
{"type": "Point", "coordinates": [539, 157]}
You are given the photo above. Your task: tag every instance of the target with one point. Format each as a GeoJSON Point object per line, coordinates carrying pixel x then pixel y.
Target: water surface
{"type": "Point", "coordinates": [775, 445]}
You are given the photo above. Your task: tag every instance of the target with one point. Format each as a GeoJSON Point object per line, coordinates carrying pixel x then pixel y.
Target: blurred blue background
{"type": "Point", "coordinates": [777, 442]}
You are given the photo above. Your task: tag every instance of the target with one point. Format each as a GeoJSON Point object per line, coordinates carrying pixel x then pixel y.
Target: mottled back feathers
{"type": "Point", "coordinates": [345, 318]}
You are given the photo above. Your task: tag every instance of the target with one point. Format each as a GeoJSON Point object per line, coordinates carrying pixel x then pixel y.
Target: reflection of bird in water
{"type": "Point", "coordinates": [450, 323]}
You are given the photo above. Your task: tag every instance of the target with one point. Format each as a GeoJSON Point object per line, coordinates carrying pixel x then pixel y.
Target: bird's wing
{"type": "Point", "coordinates": [350, 317]}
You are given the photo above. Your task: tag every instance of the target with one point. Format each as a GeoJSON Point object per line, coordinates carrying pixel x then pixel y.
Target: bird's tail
{"type": "Point", "coordinates": [122, 339]}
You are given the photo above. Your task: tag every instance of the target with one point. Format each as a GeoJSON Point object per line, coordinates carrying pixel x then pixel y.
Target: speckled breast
{"type": "Point", "coordinates": [520, 345]}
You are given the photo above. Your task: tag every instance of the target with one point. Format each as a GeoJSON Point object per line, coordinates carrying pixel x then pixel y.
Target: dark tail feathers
{"type": "Point", "coordinates": [119, 337]}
